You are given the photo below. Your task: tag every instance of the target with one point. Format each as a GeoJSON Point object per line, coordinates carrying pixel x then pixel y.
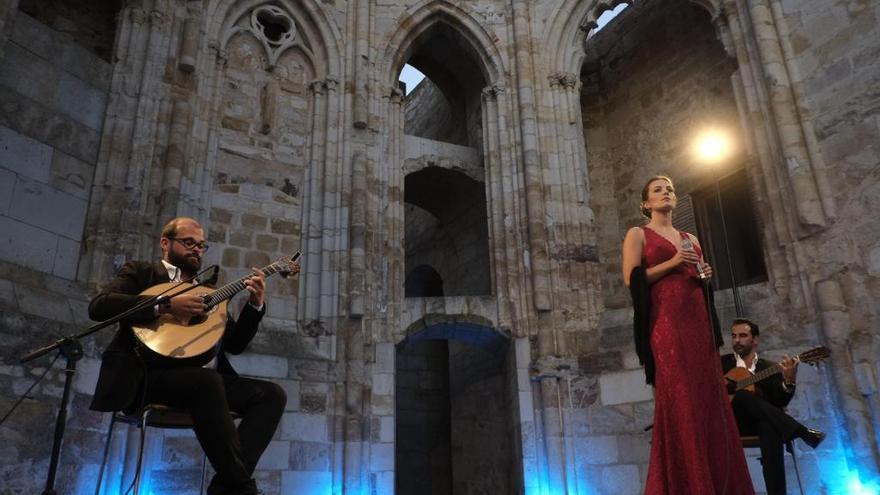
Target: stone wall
{"type": "Point", "coordinates": [299, 142]}
{"type": "Point", "coordinates": [430, 115]}
{"type": "Point", "coordinates": [54, 93]}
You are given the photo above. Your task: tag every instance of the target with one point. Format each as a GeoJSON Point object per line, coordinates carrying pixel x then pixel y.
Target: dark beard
{"type": "Point", "coordinates": [741, 350]}
{"type": "Point", "coordinates": [189, 264]}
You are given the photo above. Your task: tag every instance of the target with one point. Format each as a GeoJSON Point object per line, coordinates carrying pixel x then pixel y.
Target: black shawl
{"type": "Point", "coordinates": [640, 292]}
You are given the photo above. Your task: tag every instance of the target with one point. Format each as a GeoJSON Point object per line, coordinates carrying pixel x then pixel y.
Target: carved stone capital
{"type": "Point", "coordinates": [317, 86]}
{"type": "Point", "coordinates": [137, 16]}
{"type": "Point", "coordinates": [493, 90]}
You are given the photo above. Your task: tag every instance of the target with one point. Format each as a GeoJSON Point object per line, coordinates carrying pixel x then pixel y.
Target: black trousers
{"type": "Point", "coordinates": [209, 397]}
{"type": "Point", "coordinates": [756, 416]}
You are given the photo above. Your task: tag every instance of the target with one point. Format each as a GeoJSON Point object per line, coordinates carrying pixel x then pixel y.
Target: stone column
{"type": "Point", "coordinates": [508, 205]}
{"type": "Point", "coordinates": [753, 101]}
{"type": "Point", "coordinates": [537, 259]}
{"type": "Point", "coordinates": [797, 161]}
{"type": "Point", "coordinates": [189, 45]}
{"type": "Point", "coordinates": [117, 226]}
{"type": "Point", "coordinates": [313, 207]}
{"type": "Point", "coordinates": [361, 91]}
{"type": "Point", "coordinates": [496, 200]}
{"type": "Point", "coordinates": [859, 431]}
{"type": "Point", "coordinates": [357, 236]}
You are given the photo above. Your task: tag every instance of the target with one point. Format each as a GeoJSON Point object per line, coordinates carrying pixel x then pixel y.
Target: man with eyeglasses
{"type": "Point", "coordinates": [127, 382]}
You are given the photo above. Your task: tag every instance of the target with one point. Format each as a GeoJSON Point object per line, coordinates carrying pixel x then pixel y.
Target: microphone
{"type": "Point", "coordinates": [687, 245]}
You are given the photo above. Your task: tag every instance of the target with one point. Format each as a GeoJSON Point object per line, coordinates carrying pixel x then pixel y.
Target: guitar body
{"type": "Point", "coordinates": [185, 342]}
{"type": "Point", "coordinates": [737, 375]}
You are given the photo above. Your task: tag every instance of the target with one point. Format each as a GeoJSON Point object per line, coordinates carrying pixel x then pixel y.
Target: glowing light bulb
{"type": "Point", "coordinates": [712, 146]}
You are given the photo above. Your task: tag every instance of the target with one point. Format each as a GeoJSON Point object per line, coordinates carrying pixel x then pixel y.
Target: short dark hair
{"type": "Point", "coordinates": [753, 327]}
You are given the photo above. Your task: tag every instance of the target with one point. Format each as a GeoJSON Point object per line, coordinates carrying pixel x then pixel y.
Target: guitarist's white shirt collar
{"type": "Point", "coordinates": [740, 363]}
{"type": "Point", "coordinates": [173, 271]}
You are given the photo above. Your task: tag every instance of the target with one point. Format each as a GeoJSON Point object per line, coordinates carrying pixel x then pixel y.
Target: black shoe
{"type": "Point", "coordinates": [247, 488]}
{"type": "Point", "coordinates": [812, 437]}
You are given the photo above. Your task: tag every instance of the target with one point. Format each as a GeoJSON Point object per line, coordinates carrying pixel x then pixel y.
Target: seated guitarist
{"type": "Point", "coordinates": [760, 412]}
{"type": "Point", "coordinates": [210, 392]}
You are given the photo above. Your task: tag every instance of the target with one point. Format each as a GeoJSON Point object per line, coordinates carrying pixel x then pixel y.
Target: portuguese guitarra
{"type": "Point", "coordinates": [195, 341]}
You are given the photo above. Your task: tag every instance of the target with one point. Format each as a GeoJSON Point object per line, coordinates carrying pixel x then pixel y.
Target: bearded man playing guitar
{"type": "Point", "coordinates": [760, 412]}
{"type": "Point", "coordinates": [209, 388]}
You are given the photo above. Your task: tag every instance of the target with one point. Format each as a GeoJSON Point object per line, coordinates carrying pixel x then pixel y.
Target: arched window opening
{"type": "Point", "coordinates": [446, 229]}
{"type": "Point", "coordinates": [423, 281]}
{"type": "Point", "coordinates": [91, 25]}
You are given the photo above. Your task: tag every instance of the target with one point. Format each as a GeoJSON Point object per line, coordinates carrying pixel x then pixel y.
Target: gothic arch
{"type": "Point", "coordinates": [419, 19]}
{"type": "Point", "coordinates": [471, 329]}
{"type": "Point", "coordinates": [320, 39]}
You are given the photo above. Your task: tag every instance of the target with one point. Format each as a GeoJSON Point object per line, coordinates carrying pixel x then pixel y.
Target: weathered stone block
{"type": "Point", "coordinates": [310, 403]}
{"type": "Point", "coordinates": [292, 389]}
{"type": "Point", "coordinates": [312, 482]}
{"type": "Point", "coordinates": [381, 457]}
{"type": "Point", "coordinates": [276, 456]}
{"type": "Point", "coordinates": [256, 259]}
{"type": "Point", "coordinates": [283, 227]}
{"type": "Point", "coordinates": [216, 233]}
{"type": "Point", "coordinates": [600, 450]}
{"type": "Point", "coordinates": [24, 155]}
{"type": "Point", "coordinates": [49, 126]}
{"type": "Point", "coordinates": [309, 456]}
{"type": "Point", "coordinates": [253, 222]}
{"type": "Point", "coordinates": [220, 215]}
{"type": "Point", "coordinates": [240, 238]}
{"type": "Point", "coordinates": [260, 365]}
{"type": "Point", "coordinates": [27, 75]}
{"type": "Point", "coordinates": [52, 210]}
{"type": "Point", "coordinates": [621, 479]}
{"type": "Point", "coordinates": [231, 258]}
{"type": "Point", "coordinates": [81, 101]}
{"type": "Point", "coordinates": [27, 245]}
{"type": "Point", "coordinates": [304, 427]}
{"type": "Point", "coordinates": [71, 175]}
{"type": "Point", "coordinates": [624, 387]}
{"type": "Point", "coordinates": [66, 258]}
{"type": "Point", "coordinates": [267, 243]}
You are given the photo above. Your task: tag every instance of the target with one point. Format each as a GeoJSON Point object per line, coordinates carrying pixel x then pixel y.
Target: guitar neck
{"type": "Point", "coordinates": [233, 288]}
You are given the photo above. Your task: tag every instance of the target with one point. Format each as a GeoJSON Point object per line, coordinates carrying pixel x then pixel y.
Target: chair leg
{"type": "Point", "coordinates": [204, 474]}
{"type": "Point", "coordinates": [106, 453]}
{"type": "Point", "coordinates": [140, 459]}
{"type": "Point", "coordinates": [797, 471]}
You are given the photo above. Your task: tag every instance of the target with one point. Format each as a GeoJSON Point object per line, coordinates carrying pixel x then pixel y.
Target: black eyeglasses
{"type": "Point", "coordinates": [190, 243]}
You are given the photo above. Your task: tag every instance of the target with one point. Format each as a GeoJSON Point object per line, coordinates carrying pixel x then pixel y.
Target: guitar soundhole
{"type": "Point", "coordinates": [195, 320]}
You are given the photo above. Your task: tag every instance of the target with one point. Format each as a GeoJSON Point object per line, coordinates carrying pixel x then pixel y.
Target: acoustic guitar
{"type": "Point", "coordinates": [195, 341]}
{"type": "Point", "coordinates": [741, 379]}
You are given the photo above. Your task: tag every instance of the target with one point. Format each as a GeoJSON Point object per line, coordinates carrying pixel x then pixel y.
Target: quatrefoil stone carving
{"type": "Point", "coordinates": [275, 28]}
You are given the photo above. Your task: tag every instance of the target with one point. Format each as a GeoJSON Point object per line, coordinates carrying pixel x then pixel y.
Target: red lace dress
{"type": "Point", "coordinates": [695, 446]}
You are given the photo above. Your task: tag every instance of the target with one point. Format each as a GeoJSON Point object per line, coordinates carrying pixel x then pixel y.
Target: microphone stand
{"type": "Point", "coordinates": [72, 350]}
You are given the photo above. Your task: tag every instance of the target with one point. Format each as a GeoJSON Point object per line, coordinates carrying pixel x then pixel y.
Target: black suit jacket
{"type": "Point", "coordinates": [122, 369]}
{"type": "Point", "coordinates": [769, 388]}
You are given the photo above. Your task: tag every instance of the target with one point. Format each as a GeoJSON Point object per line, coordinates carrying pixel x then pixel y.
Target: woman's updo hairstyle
{"type": "Point", "coordinates": [647, 211]}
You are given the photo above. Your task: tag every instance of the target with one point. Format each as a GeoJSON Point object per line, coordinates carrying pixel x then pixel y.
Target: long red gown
{"type": "Point", "coordinates": [695, 446]}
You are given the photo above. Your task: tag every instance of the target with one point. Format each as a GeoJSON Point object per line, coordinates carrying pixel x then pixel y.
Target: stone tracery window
{"type": "Point", "coordinates": [273, 25]}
